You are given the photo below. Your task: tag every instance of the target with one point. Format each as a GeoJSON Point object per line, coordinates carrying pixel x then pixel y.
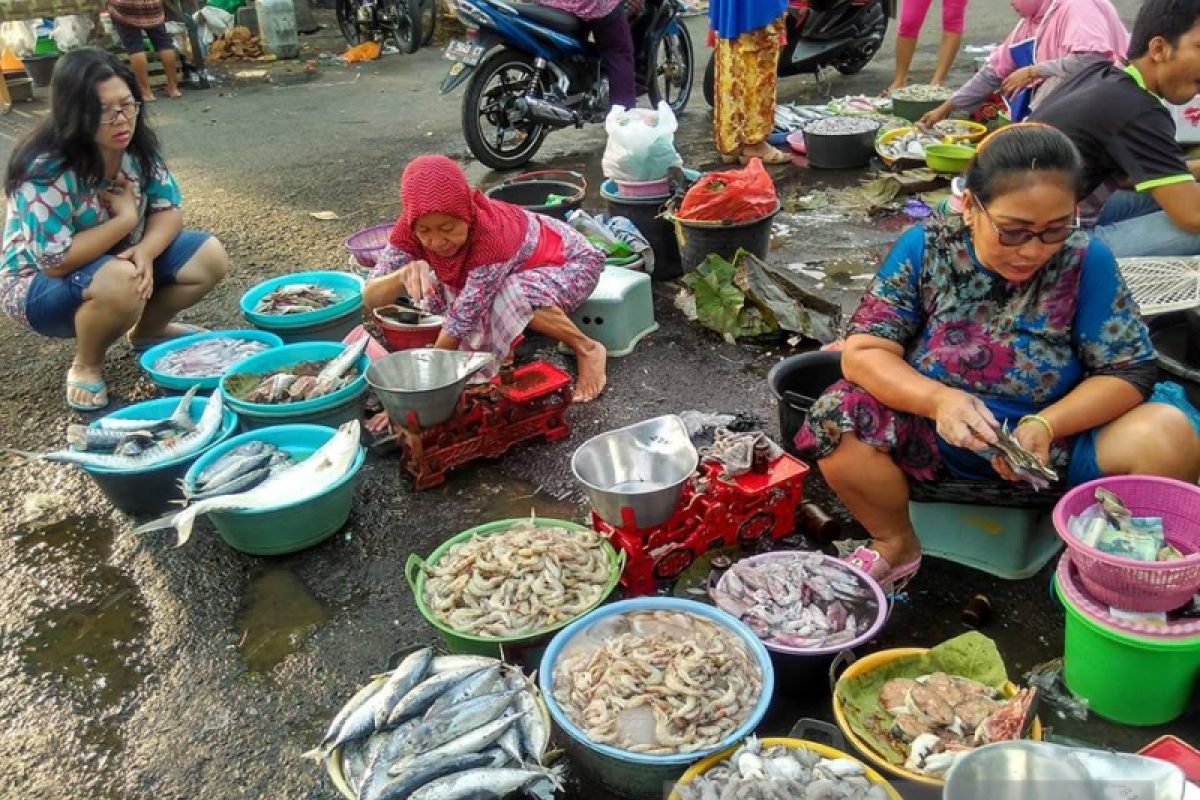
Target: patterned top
{"type": "Point", "coordinates": [466, 312]}
{"type": "Point", "coordinates": [43, 218]}
{"type": "Point", "coordinates": [144, 14]}
{"type": "Point", "coordinates": [1017, 346]}
{"type": "Point", "coordinates": [584, 9]}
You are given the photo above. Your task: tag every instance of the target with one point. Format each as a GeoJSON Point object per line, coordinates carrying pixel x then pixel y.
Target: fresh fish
{"type": "Point", "coordinates": [477, 685]}
{"type": "Point", "coordinates": [407, 674]}
{"type": "Point", "coordinates": [537, 784]}
{"type": "Point", "coordinates": [360, 698]}
{"type": "Point", "coordinates": [472, 742]}
{"type": "Point", "coordinates": [510, 744]}
{"type": "Point", "coordinates": [435, 731]}
{"type": "Point", "coordinates": [309, 478]}
{"type": "Point", "coordinates": [166, 450]}
{"type": "Point", "coordinates": [208, 357]}
{"type": "Point", "coordinates": [233, 486]}
{"type": "Point", "coordinates": [375, 772]}
{"type": "Point", "coordinates": [405, 784]}
{"type": "Point", "coordinates": [181, 419]}
{"type": "Point", "coordinates": [448, 663]}
{"type": "Point", "coordinates": [231, 469]}
{"type": "Point", "coordinates": [241, 451]}
{"type": "Point", "coordinates": [534, 734]}
{"type": "Point", "coordinates": [85, 437]}
{"type": "Point", "coordinates": [425, 693]}
{"type": "Point", "coordinates": [296, 298]}
{"type": "Point", "coordinates": [332, 372]}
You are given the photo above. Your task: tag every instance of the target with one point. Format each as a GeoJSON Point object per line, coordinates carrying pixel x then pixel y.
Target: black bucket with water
{"type": "Point", "coordinates": [796, 383]}
{"type": "Point", "coordinates": [698, 240]}
{"type": "Point", "coordinates": [554, 193]}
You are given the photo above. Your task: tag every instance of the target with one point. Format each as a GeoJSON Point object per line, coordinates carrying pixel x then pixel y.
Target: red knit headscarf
{"type": "Point", "coordinates": [435, 185]}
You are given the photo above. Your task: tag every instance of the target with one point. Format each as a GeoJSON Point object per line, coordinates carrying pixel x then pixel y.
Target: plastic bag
{"type": "Point", "coordinates": [641, 143]}
{"type": "Point", "coordinates": [72, 31]}
{"type": "Point", "coordinates": [739, 195]}
{"type": "Point", "coordinates": [216, 20]}
{"type": "Point", "coordinates": [367, 51]}
{"type": "Point", "coordinates": [19, 38]}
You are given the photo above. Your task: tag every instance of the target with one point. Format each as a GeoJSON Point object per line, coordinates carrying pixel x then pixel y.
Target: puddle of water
{"type": "Point", "coordinates": [278, 612]}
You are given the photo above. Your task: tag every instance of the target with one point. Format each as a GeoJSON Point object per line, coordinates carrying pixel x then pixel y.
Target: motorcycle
{"type": "Point", "coordinates": [843, 34]}
{"type": "Point", "coordinates": [407, 24]}
{"type": "Point", "coordinates": [532, 70]}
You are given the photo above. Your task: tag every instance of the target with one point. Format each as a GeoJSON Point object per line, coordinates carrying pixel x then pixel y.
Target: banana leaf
{"type": "Point", "coordinates": [971, 655]}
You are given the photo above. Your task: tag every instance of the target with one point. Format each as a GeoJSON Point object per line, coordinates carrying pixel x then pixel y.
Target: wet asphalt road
{"type": "Point", "coordinates": [134, 670]}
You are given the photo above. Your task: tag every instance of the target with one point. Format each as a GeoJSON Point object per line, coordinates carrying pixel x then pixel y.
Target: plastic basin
{"type": "Point", "coordinates": [367, 244]}
{"type": "Point", "coordinates": [636, 775]}
{"type": "Point", "coordinates": [527, 649]}
{"type": "Point", "coordinates": [292, 526]}
{"type": "Point", "coordinates": [327, 410]}
{"type": "Point", "coordinates": [149, 492]}
{"type": "Point", "coordinates": [404, 336]}
{"type": "Point", "coordinates": [181, 383]}
{"type": "Point", "coordinates": [949, 158]}
{"type": "Point", "coordinates": [342, 282]}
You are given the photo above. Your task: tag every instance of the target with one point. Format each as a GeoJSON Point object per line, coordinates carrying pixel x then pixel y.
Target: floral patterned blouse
{"type": "Point", "coordinates": [44, 216]}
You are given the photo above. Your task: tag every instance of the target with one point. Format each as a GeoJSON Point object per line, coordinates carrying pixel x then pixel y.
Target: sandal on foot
{"type": "Point", "coordinates": [730, 158]}
{"type": "Point", "coordinates": [94, 388]}
{"type": "Point", "coordinates": [184, 330]}
{"type": "Point", "coordinates": [892, 579]}
{"type": "Point", "coordinates": [775, 157]}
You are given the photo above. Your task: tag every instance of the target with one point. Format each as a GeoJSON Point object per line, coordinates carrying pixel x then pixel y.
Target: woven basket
{"type": "Point", "coordinates": [367, 244]}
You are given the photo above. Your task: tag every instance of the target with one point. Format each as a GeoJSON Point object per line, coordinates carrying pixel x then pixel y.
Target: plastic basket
{"type": "Point", "coordinates": [367, 244]}
{"type": "Point", "coordinates": [1124, 582]}
{"type": "Point", "coordinates": [659, 188]}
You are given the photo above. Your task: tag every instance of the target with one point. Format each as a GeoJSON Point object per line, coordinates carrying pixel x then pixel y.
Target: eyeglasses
{"type": "Point", "coordinates": [1015, 237]}
{"type": "Point", "coordinates": [111, 116]}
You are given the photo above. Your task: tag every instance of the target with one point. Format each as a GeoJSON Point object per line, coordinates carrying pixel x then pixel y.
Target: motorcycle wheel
{"type": "Point", "coordinates": [854, 65]}
{"type": "Point", "coordinates": [347, 22]}
{"type": "Point", "coordinates": [710, 81]}
{"type": "Point", "coordinates": [428, 14]}
{"type": "Point", "coordinates": [405, 26]}
{"type": "Point", "coordinates": [670, 67]}
{"type": "Point", "coordinates": [498, 82]}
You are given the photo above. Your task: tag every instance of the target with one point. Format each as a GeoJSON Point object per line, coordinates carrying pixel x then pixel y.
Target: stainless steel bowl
{"type": "Point", "coordinates": [642, 468]}
{"type": "Point", "coordinates": [425, 382]}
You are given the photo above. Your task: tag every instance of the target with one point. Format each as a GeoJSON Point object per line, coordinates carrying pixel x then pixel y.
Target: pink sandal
{"type": "Point", "coordinates": [892, 579]}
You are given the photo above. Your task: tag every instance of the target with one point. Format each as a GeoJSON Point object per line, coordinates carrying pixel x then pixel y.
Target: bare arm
{"type": "Point", "coordinates": [1181, 201]}
{"type": "Point", "coordinates": [162, 227]}
{"type": "Point", "coordinates": [1096, 401]}
{"type": "Point", "coordinates": [383, 291]}
{"type": "Point", "coordinates": [88, 245]}
{"type": "Point", "coordinates": [1194, 166]}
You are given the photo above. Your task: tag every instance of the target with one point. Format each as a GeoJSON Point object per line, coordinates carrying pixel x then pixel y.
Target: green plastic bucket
{"type": "Point", "coordinates": [525, 649]}
{"type": "Point", "coordinates": [1103, 665]}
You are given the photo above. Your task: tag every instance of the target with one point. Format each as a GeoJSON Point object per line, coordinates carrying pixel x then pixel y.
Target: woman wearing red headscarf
{"type": "Point", "coordinates": [491, 269]}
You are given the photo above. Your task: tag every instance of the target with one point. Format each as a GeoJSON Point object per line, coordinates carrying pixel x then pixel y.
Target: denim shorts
{"type": "Point", "coordinates": [51, 303]}
{"type": "Point", "coordinates": [131, 37]}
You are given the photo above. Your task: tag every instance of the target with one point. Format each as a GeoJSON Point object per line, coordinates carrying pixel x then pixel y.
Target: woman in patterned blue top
{"type": "Point", "coordinates": [94, 244]}
{"type": "Point", "coordinates": [1005, 314]}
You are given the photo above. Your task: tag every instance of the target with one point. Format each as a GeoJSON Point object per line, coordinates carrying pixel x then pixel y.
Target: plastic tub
{"type": "Point", "coordinates": [332, 409]}
{"type": "Point", "coordinates": [292, 526]}
{"type": "Point", "coordinates": [698, 240]}
{"type": "Point", "coordinates": [40, 68]}
{"type": "Point", "coordinates": [636, 189]}
{"type": "Point", "coordinates": [949, 158]}
{"type": "Point", "coordinates": [181, 383]}
{"type": "Point", "coordinates": [636, 775]}
{"type": "Point", "coordinates": [647, 215]}
{"type": "Point", "coordinates": [149, 492]}
{"type": "Point", "coordinates": [342, 282]}
{"type": "Point", "coordinates": [1126, 583]}
{"type": "Point", "coordinates": [796, 383]}
{"type": "Point", "coordinates": [839, 150]}
{"type": "Point", "coordinates": [1101, 664]}
{"type": "Point", "coordinates": [401, 336]}
{"type": "Point", "coordinates": [367, 244]}
{"type": "Point", "coordinates": [527, 649]}
{"type": "Point", "coordinates": [531, 191]}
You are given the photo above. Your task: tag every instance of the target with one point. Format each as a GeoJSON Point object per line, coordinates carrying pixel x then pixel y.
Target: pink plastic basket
{"type": "Point", "coordinates": [658, 188]}
{"type": "Point", "coordinates": [1124, 582]}
{"type": "Point", "coordinates": [367, 244]}
{"type": "Point", "coordinates": [1093, 609]}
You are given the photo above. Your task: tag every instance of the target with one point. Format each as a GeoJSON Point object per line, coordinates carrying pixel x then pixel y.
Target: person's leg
{"type": "Point", "coordinates": [954, 19]}
{"type": "Point", "coordinates": [164, 45]}
{"type": "Point", "coordinates": [1147, 235]}
{"type": "Point", "coordinates": [110, 307]}
{"type": "Point", "coordinates": [1152, 439]}
{"type": "Point", "coordinates": [590, 355]}
{"type": "Point", "coordinates": [184, 273]}
{"type": "Point", "coordinates": [614, 40]}
{"type": "Point", "coordinates": [912, 17]}
{"type": "Point", "coordinates": [141, 71]}
{"type": "Point", "coordinates": [758, 97]}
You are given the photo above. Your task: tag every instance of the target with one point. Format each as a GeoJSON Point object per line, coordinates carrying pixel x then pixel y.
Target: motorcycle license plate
{"type": "Point", "coordinates": [468, 53]}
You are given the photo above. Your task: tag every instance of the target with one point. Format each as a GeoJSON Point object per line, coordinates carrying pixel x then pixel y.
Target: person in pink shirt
{"type": "Point", "coordinates": [912, 17]}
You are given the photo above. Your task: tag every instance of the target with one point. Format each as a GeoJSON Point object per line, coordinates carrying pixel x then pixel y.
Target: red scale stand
{"type": "Point", "coordinates": [527, 403]}
{"type": "Point", "coordinates": [713, 513]}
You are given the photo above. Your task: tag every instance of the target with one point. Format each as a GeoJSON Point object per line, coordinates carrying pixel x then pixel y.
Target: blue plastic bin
{"type": "Point", "coordinates": [181, 383]}
{"type": "Point", "coordinates": [341, 282]}
{"type": "Point", "coordinates": [332, 409]}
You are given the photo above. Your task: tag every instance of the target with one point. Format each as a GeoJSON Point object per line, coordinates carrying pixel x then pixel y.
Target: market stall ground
{"type": "Point", "coordinates": [134, 670]}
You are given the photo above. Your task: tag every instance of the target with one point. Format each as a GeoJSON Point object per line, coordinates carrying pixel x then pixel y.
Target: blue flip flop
{"type": "Point", "coordinates": [94, 388]}
{"type": "Point", "coordinates": [187, 329]}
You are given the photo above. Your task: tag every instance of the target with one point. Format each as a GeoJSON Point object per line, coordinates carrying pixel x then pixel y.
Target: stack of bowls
{"type": "Point", "coordinates": [330, 324]}
{"type": "Point", "coordinates": [331, 410]}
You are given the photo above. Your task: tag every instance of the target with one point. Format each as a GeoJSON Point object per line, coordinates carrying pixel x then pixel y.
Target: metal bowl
{"type": "Point", "coordinates": [425, 382]}
{"type": "Point", "coordinates": [635, 475]}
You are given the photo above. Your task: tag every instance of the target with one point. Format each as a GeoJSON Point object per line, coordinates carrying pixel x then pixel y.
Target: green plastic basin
{"type": "Point", "coordinates": [949, 158]}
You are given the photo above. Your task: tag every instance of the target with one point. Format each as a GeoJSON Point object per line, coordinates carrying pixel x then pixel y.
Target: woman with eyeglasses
{"type": "Point", "coordinates": [1005, 313]}
{"type": "Point", "coordinates": [94, 244]}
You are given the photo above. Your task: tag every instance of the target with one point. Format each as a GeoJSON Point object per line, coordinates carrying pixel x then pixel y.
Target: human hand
{"type": "Point", "coordinates": [143, 270]}
{"type": "Point", "coordinates": [963, 420]}
{"type": "Point", "coordinates": [417, 280]}
{"type": "Point", "coordinates": [1035, 438]}
{"type": "Point", "coordinates": [936, 115]}
{"type": "Point", "coordinates": [1018, 79]}
{"type": "Point", "coordinates": [120, 201]}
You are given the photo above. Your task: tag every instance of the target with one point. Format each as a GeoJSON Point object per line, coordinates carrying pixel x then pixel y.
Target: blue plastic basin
{"type": "Point", "coordinates": [292, 526]}
{"type": "Point", "coordinates": [149, 491]}
{"type": "Point", "coordinates": [181, 383]}
{"type": "Point", "coordinates": [341, 282]}
{"type": "Point", "coordinates": [638, 775]}
{"type": "Point", "coordinates": [286, 356]}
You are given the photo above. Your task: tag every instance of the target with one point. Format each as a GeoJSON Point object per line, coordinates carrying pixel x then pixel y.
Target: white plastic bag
{"type": "Point", "coordinates": [72, 31]}
{"type": "Point", "coordinates": [641, 143]}
{"type": "Point", "coordinates": [18, 37]}
{"type": "Point", "coordinates": [215, 20]}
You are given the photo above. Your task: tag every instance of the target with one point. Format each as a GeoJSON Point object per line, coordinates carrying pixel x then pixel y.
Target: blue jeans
{"type": "Point", "coordinates": [1133, 225]}
{"type": "Point", "coordinates": [52, 302]}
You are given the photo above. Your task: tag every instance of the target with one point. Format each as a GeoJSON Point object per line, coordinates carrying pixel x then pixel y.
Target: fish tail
{"type": "Point", "coordinates": [184, 521]}
{"type": "Point", "coordinates": [318, 753]}
{"type": "Point", "coordinates": [23, 454]}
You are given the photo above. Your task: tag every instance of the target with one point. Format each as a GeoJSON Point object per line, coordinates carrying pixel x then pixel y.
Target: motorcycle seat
{"type": "Point", "coordinates": [551, 18]}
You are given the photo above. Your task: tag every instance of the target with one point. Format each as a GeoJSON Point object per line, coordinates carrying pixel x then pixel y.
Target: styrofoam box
{"type": "Point", "coordinates": [1187, 121]}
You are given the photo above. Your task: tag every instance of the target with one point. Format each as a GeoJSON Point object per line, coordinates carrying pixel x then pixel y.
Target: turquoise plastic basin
{"type": "Point", "coordinates": [341, 282]}
{"type": "Point", "coordinates": [306, 411]}
{"type": "Point", "coordinates": [181, 383]}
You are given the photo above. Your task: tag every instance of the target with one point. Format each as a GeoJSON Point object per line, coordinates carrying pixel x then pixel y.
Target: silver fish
{"type": "Point", "coordinates": [472, 742]}
{"type": "Point", "coordinates": [447, 663]}
{"type": "Point", "coordinates": [425, 693]}
{"type": "Point", "coordinates": [85, 437]}
{"type": "Point", "coordinates": [181, 419]}
{"type": "Point", "coordinates": [402, 786]}
{"type": "Point", "coordinates": [407, 674]}
{"type": "Point", "coordinates": [477, 685]}
{"type": "Point", "coordinates": [435, 731]}
{"type": "Point", "coordinates": [490, 782]}
{"type": "Point", "coordinates": [244, 451]}
{"type": "Point", "coordinates": [535, 736]}
{"type": "Point", "coordinates": [241, 483]}
{"type": "Point", "coordinates": [331, 373]}
{"type": "Point", "coordinates": [375, 772]}
{"type": "Point", "coordinates": [231, 469]}
{"type": "Point", "coordinates": [360, 698]}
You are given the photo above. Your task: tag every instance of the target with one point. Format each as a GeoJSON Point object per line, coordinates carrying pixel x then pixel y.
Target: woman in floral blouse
{"type": "Point", "coordinates": [94, 244]}
{"type": "Point", "coordinates": [490, 268]}
{"type": "Point", "coordinates": [1005, 314]}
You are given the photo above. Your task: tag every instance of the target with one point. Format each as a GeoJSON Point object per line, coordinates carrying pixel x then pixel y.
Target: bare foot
{"type": "Point", "coordinates": [174, 94]}
{"type": "Point", "coordinates": [86, 389]}
{"type": "Point", "coordinates": [140, 338]}
{"type": "Point", "coordinates": [592, 377]}
{"type": "Point", "coordinates": [769, 155]}
{"type": "Point", "coordinates": [895, 85]}
{"type": "Point", "coordinates": [148, 96]}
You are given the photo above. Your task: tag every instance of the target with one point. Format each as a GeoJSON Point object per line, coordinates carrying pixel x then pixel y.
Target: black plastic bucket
{"type": "Point", "coordinates": [796, 383]}
{"type": "Point", "coordinates": [1176, 340]}
{"type": "Point", "coordinates": [532, 189]}
{"type": "Point", "coordinates": [699, 240]}
{"type": "Point", "coordinates": [40, 68]}
{"type": "Point", "coordinates": [646, 213]}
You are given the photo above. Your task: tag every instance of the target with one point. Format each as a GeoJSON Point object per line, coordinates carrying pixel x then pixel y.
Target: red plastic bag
{"type": "Point", "coordinates": [739, 195]}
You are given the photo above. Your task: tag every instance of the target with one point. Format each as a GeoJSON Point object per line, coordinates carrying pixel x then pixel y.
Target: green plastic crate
{"type": "Point", "coordinates": [1010, 543]}
{"type": "Point", "coordinates": [620, 311]}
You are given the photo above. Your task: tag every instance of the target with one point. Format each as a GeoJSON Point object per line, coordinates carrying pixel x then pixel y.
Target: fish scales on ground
{"type": "Point", "coordinates": [306, 380]}
{"type": "Point", "coordinates": [657, 682]}
{"type": "Point", "coordinates": [529, 578]}
{"type": "Point", "coordinates": [208, 357]}
{"type": "Point", "coordinates": [777, 772]}
{"type": "Point", "coordinates": [394, 738]}
{"type": "Point", "coordinates": [304, 480]}
{"type": "Point", "coordinates": [296, 298]}
{"type": "Point", "coordinates": [938, 717]}
{"type": "Point", "coordinates": [799, 600]}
